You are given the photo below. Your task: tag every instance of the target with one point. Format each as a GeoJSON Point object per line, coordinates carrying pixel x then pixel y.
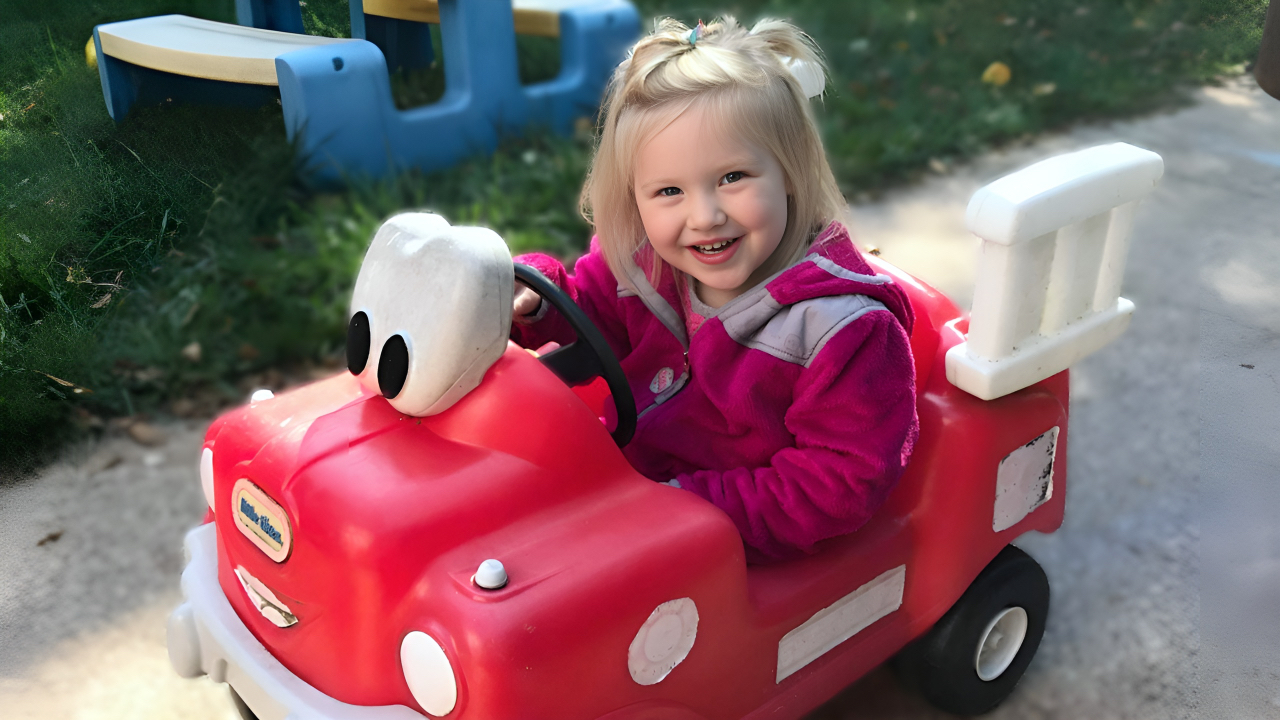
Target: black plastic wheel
{"type": "Point", "coordinates": [970, 661]}
{"type": "Point", "coordinates": [588, 357]}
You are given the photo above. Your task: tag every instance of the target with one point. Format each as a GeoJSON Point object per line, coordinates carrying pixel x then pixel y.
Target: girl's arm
{"type": "Point", "coordinates": [595, 290]}
{"type": "Point", "coordinates": [854, 420]}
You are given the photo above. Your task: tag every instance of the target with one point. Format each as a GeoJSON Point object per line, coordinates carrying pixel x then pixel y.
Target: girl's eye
{"type": "Point", "coordinates": [732, 177]}
{"type": "Point", "coordinates": [669, 191]}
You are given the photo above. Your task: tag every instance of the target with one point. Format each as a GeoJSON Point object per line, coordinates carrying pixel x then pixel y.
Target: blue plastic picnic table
{"type": "Point", "coordinates": [336, 93]}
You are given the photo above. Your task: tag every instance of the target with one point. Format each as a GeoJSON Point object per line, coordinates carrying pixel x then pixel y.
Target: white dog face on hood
{"type": "Point", "coordinates": [430, 313]}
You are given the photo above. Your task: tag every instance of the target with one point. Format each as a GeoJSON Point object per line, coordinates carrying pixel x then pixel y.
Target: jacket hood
{"type": "Point", "coordinates": [831, 267]}
{"type": "Point", "coordinates": [834, 266]}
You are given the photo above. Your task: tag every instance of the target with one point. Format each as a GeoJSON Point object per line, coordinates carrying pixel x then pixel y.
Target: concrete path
{"type": "Point", "coordinates": [1137, 629]}
{"type": "Point", "coordinates": [1166, 579]}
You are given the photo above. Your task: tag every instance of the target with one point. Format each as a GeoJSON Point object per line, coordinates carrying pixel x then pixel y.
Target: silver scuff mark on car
{"type": "Point", "coordinates": [1024, 480]}
{"type": "Point", "coordinates": [663, 642]}
{"type": "Point", "coordinates": [840, 621]}
{"type": "Point", "coordinates": [266, 601]}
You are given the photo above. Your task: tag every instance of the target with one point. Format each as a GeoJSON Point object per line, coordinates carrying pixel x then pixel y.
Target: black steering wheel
{"type": "Point", "coordinates": [588, 357]}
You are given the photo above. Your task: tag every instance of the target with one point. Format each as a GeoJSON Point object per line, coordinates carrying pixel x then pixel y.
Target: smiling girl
{"type": "Point", "coordinates": [770, 364]}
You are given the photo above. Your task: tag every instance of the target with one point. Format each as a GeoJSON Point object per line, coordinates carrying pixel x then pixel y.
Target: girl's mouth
{"type": "Point", "coordinates": [715, 248]}
{"type": "Point", "coordinates": [715, 253]}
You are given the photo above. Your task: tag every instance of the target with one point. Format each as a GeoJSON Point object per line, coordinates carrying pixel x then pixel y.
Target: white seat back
{"type": "Point", "coordinates": [1054, 240]}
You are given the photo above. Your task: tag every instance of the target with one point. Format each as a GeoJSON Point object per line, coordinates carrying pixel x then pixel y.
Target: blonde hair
{"type": "Point", "coordinates": [741, 77]}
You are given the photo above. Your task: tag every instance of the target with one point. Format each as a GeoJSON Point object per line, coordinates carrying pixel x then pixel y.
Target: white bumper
{"type": "Point", "coordinates": [207, 637]}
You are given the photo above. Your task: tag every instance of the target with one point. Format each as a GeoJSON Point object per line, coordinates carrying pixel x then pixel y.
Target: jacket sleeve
{"type": "Point", "coordinates": [853, 416]}
{"type": "Point", "coordinates": [592, 287]}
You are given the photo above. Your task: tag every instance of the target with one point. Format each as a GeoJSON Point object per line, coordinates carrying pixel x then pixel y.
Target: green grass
{"type": "Point", "coordinates": [122, 245]}
{"type": "Point", "coordinates": [906, 76]}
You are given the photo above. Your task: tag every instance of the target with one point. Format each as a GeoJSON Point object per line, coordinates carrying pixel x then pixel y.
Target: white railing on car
{"type": "Point", "coordinates": [1054, 240]}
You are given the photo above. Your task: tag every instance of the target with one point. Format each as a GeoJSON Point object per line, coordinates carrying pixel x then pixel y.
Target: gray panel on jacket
{"type": "Point", "coordinates": [796, 333]}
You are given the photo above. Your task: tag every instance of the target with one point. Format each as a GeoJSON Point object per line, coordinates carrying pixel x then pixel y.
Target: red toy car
{"type": "Point", "coordinates": [349, 568]}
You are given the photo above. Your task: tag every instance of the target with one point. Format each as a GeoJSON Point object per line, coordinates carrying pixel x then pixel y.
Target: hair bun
{"type": "Point", "coordinates": [809, 75]}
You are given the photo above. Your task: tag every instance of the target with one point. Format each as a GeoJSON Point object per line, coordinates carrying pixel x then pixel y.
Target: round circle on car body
{"type": "Point", "coordinates": [663, 642]}
{"type": "Point", "coordinates": [999, 643]}
{"type": "Point", "coordinates": [206, 475]}
{"type": "Point", "coordinates": [429, 673]}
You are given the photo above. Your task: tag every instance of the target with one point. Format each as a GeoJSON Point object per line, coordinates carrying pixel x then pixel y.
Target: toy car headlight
{"type": "Point", "coordinates": [206, 475]}
{"type": "Point", "coordinates": [429, 673]}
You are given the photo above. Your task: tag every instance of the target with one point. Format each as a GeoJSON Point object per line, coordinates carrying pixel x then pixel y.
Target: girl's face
{"type": "Point", "coordinates": [713, 206]}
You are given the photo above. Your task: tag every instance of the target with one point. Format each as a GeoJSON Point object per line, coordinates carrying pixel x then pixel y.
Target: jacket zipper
{"type": "Point", "coordinates": [685, 376]}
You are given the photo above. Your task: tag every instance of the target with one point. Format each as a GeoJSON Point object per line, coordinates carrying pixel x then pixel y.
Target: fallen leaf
{"type": "Point", "coordinates": [184, 408]}
{"type": "Point", "coordinates": [191, 313]}
{"type": "Point", "coordinates": [65, 383]}
{"type": "Point", "coordinates": [147, 374]}
{"type": "Point", "coordinates": [102, 460]}
{"type": "Point", "coordinates": [51, 537]}
{"type": "Point", "coordinates": [101, 302]}
{"type": "Point", "coordinates": [146, 434]}
{"type": "Point", "coordinates": [87, 420]}
{"type": "Point", "coordinates": [997, 73]}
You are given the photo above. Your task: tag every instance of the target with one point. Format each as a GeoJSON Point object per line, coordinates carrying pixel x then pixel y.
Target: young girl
{"type": "Point", "coordinates": [769, 362]}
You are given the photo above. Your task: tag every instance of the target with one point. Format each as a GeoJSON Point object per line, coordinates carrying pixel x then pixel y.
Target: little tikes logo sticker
{"type": "Point", "coordinates": [261, 519]}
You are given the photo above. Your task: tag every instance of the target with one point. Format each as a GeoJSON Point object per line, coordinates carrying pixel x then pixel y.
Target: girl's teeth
{"type": "Point", "coordinates": [713, 247]}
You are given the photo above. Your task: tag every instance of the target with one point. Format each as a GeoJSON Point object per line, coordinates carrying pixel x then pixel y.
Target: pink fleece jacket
{"type": "Point", "coordinates": [792, 407]}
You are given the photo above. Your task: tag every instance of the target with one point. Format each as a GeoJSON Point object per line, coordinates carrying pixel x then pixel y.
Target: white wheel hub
{"type": "Point", "coordinates": [999, 643]}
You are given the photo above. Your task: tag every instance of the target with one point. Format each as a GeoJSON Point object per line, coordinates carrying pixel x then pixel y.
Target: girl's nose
{"type": "Point", "coordinates": [706, 213]}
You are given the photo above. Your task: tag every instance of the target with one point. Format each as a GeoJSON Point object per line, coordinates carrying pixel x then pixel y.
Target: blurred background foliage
{"type": "Point", "coordinates": [162, 265]}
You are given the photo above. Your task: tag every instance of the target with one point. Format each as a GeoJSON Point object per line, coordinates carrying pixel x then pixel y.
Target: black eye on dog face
{"type": "Point", "coordinates": [358, 341]}
{"type": "Point", "coordinates": [393, 366]}
{"type": "Point", "coordinates": [392, 360]}
{"type": "Point", "coordinates": [431, 311]}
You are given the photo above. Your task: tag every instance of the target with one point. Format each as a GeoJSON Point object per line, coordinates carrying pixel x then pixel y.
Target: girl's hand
{"type": "Point", "coordinates": [525, 304]}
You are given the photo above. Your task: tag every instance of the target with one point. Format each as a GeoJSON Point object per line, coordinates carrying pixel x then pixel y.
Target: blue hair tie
{"type": "Point", "coordinates": [696, 33]}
